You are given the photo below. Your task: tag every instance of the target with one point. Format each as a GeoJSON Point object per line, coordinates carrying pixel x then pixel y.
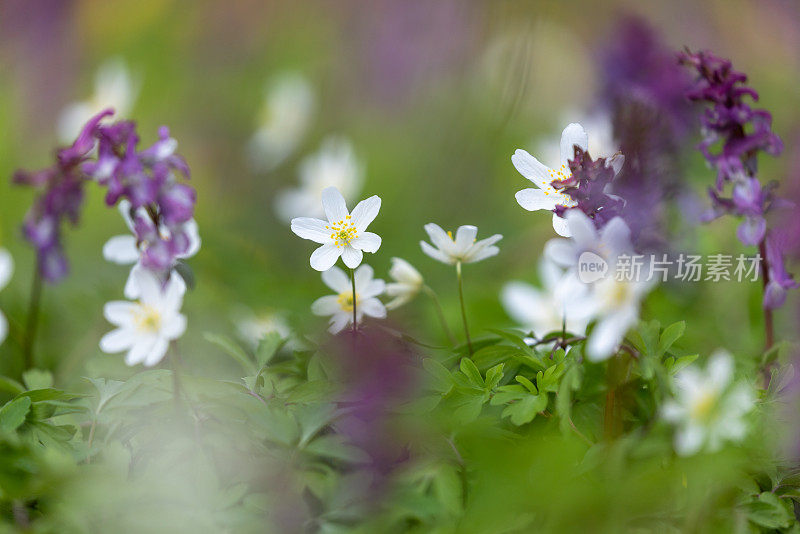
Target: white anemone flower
{"type": "Point", "coordinates": [340, 306]}
{"type": "Point", "coordinates": [544, 196]}
{"type": "Point", "coordinates": [600, 132]}
{"type": "Point", "coordinates": [334, 165]}
{"type": "Point", "coordinates": [407, 283]}
{"type": "Point", "coordinates": [560, 301]}
{"type": "Point", "coordinates": [613, 240]}
{"type": "Point", "coordinates": [252, 327]}
{"type": "Point", "coordinates": [616, 305]}
{"type": "Point", "coordinates": [6, 270]}
{"type": "Point", "coordinates": [145, 328]}
{"type": "Point", "coordinates": [124, 250]}
{"type": "Point", "coordinates": [284, 120]}
{"type": "Point", "coordinates": [463, 249]}
{"type": "Point", "coordinates": [113, 88]}
{"type": "Point", "coordinates": [592, 256]}
{"type": "Point", "coordinates": [708, 410]}
{"type": "Point", "coordinates": [343, 234]}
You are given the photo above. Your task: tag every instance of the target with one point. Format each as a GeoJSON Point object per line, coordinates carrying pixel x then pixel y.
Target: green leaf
{"type": "Point", "coordinates": [233, 350]}
{"type": "Point", "coordinates": [268, 347]}
{"type": "Point", "coordinates": [13, 414]}
{"type": "Point", "coordinates": [9, 385]}
{"type": "Point", "coordinates": [673, 366]}
{"type": "Point", "coordinates": [769, 511]}
{"type": "Point", "coordinates": [527, 383]}
{"type": "Point", "coordinates": [525, 410]}
{"type": "Point", "coordinates": [443, 380]}
{"type": "Point", "coordinates": [448, 489]}
{"type": "Point", "coordinates": [670, 335]}
{"type": "Point", "coordinates": [37, 379]}
{"type": "Point", "coordinates": [471, 371]}
{"type": "Point", "coordinates": [494, 376]}
{"type": "Point", "coordinates": [334, 446]}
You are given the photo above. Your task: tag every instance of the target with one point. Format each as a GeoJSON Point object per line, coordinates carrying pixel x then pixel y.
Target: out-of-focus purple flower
{"type": "Point", "coordinates": [642, 90]}
{"type": "Point", "coordinates": [147, 179]}
{"type": "Point", "coordinates": [379, 376]}
{"type": "Point", "coordinates": [637, 67]}
{"type": "Point", "coordinates": [587, 186]}
{"type": "Point", "coordinates": [779, 280]}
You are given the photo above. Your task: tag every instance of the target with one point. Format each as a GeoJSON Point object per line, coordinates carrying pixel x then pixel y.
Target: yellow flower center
{"type": "Point", "coordinates": [562, 173]}
{"type": "Point", "coordinates": [342, 232]}
{"type": "Point", "coordinates": [148, 319]}
{"type": "Point", "coordinates": [345, 301]}
{"type": "Point", "coordinates": [703, 407]}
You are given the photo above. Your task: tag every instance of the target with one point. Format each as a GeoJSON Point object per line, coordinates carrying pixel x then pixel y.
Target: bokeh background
{"type": "Point", "coordinates": [434, 96]}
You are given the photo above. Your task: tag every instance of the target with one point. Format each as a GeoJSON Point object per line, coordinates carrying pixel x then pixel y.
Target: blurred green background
{"type": "Point", "coordinates": [435, 97]}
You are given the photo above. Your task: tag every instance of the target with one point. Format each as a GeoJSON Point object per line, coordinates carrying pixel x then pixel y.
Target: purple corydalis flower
{"type": "Point", "coordinates": [148, 179]}
{"type": "Point", "coordinates": [587, 186]}
{"type": "Point", "coordinates": [779, 280]}
{"type": "Point", "coordinates": [729, 119]}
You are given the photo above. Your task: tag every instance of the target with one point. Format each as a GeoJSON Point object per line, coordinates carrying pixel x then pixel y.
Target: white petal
{"type": "Point", "coordinates": [339, 321]}
{"type": "Point", "coordinates": [689, 439]}
{"type": "Point", "coordinates": [373, 289]}
{"type": "Point", "coordinates": [131, 290]}
{"type": "Point", "coordinates": [373, 308]}
{"type": "Point", "coordinates": [616, 236]}
{"type": "Point", "coordinates": [560, 226]}
{"type": "Point", "coordinates": [521, 301]}
{"type": "Point", "coordinates": [365, 212]}
{"type": "Point", "coordinates": [174, 327]}
{"type": "Point", "coordinates": [172, 294]}
{"type": "Point", "coordinates": [440, 239]}
{"type": "Point", "coordinates": [327, 305]}
{"type": "Point", "coordinates": [193, 233]}
{"type": "Point", "coordinates": [124, 207]}
{"type": "Point", "coordinates": [117, 340]}
{"type": "Point", "coordinates": [616, 162]}
{"type": "Point", "coordinates": [334, 204]}
{"type": "Point", "coordinates": [325, 256]}
{"type": "Point", "coordinates": [157, 352]}
{"type": "Point", "coordinates": [720, 369]}
{"type": "Point", "coordinates": [336, 279]}
{"type": "Point", "coordinates": [532, 169]}
{"type": "Point", "coordinates": [583, 231]}
{"type": "Point", "coordinates": [149, 286]}
{"type": "Point", "coordinates": [608, 334]}
{"type": "Point", "coordinates": [436, 254]}
{"type": "Point", "coordinates": [6, 267]}
{"type": "Point", "coordinates": [367, 241]}
{"type": "Point", "coordinates": [482, 254]}
{"type": "Point", "coordinates": [312, 229]}
{"type": "Point", "coordinates": [573, 134]}
{"type": "Point", "coordinates": [351, 257]}
{"type": "Point", "coordinates": [119, 312]}
{"type": "Point", "coordinates": [536, 199]}
{"type": "Point", "coordinates": [363, 276]}
{"type": "Point", "coordinates": [140, 349]}
{"type": "Point", "coordinates": [121, 249]}
{"type": "Point", "coordinates": [404, 272]}
{"type": "Point", "coordinates": [465, 238]}
{"type": "Point", "coordinates": [561, 252]}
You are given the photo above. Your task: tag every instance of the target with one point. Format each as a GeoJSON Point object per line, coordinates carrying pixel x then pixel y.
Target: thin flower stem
{"type": "Point", "coordinates": [33, 319]}
{"type": "Point", "coordinates": [438, 305]}
{"type": "Point", "coordinates": [769, 330]}
{"type": "Point", "coordinates": [463, 308]}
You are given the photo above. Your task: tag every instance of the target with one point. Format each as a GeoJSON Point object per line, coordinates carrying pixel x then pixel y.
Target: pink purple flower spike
{"type": "Point", "coordinates": [107, 154]}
